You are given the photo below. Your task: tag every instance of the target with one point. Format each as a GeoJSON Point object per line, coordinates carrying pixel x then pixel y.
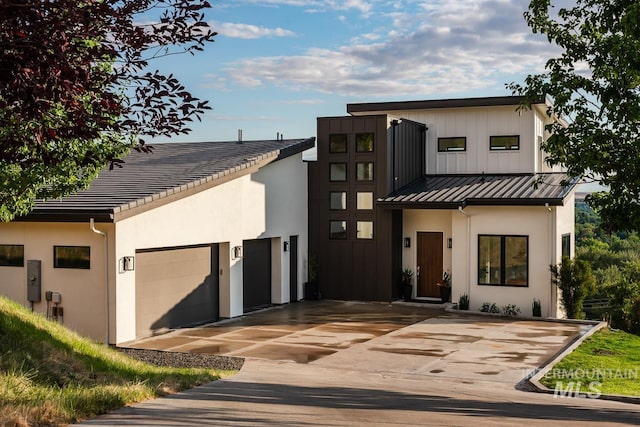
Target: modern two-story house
{"type": "Point", "coordinates": [457, 186]}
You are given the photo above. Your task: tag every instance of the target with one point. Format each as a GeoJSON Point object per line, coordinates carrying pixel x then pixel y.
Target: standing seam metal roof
{"type": "Point", "coordinates": [452, 191]}
{"type": "Point", "coordinates": [170, 169]}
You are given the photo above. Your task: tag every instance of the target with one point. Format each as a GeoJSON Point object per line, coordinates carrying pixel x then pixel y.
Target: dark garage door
{"type": "Point", "coordinates": [175, 287]}
{"type": "Point", "coordinates": [256, 272]}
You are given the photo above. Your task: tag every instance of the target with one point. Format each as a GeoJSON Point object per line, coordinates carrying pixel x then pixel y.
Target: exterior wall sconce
{"type": "Point", "coordinates": [285, 246]}
{"type": "Point", "coordinates": [407, 242]}
{"type": "Point", "coordinates": [127, 263]}
{"type": "Point", "coordinates": [449, 243]}
{"type": "Point", "coordinates": [237, 252]}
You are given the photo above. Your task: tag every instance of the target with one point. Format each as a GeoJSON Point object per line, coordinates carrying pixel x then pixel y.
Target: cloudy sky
{"type": "Point", "coordinates": [276, 65]}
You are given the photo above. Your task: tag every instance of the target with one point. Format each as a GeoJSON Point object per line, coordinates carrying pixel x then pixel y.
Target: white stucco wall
{"type": "Point", "coordinates": [462, 259]}
{"type": "Point", "coordinates": [270, 203]}
{"type": "Point", "coordinates": [83, 291]}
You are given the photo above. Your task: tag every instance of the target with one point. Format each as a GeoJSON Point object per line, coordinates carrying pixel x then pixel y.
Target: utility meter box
{"type": "Point", "coordinates": [34, 281]}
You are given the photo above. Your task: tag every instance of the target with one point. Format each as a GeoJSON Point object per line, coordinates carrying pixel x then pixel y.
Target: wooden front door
{"type": "Point", "coordinates": [429, 263]}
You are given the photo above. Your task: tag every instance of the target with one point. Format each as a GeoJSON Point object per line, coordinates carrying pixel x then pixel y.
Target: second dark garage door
{"type": "Point", "coordinates": [256, 272]}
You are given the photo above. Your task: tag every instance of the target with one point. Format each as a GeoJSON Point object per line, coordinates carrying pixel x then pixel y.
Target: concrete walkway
{"type": "Point", "coordinates": [380, 369]}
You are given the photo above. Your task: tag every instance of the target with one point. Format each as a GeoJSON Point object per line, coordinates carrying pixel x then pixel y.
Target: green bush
{"type": "Point", "coordinates": [536, 308]}
{"type": "Point", "coordinates": [489, 307]}
{"type": "Point", "coordinates": [463, 302]}
{"type": "Point", "coordinates": [511, 310]}
{"type": "Point", "coordinates": [575, 281]}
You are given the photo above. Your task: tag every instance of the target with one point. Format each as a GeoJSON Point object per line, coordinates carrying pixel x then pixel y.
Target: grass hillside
{"type": "Point", "coordinates": [52, 376]}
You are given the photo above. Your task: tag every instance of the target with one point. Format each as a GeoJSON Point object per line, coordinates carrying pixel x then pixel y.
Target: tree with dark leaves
{"type": "Point", "coordinates": [594, 84]}
{"type": "Point", "coordinates": [76, 92]}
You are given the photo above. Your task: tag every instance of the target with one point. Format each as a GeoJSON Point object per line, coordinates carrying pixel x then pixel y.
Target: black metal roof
{"type": "Point", "coordinates": [453, 191]}
{"type": "Point", "coordinates": [170, 172]}
{"type": "Point", "coordinates": [491, 101]}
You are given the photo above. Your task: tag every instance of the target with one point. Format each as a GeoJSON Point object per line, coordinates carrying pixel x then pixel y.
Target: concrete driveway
{"type": "Point", "coordinates": [329, 363]}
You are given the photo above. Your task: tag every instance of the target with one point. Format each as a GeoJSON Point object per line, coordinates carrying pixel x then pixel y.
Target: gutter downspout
{"type": "Point", "coordinates": [551, 258]}
{"type": "Point", "coordinates": [106, 278]}
{"type": "Point", "coordinates": [461, 210]}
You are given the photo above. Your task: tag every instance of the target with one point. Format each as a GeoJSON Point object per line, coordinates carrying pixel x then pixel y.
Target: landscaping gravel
{"type": "Point", "coordinates": [184, 360]}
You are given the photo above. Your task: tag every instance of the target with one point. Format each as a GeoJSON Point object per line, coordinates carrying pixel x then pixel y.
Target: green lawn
{"type": "Point", "coordinates": [52, 376]}
{"type": "Point", "coordinates": [611, 358]}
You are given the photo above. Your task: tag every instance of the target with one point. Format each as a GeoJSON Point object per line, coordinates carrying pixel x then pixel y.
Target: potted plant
{"type": "Point", "coordinates": [445, 287]}
{"type": "Point", "coordinates": [407, 288]}
{"type": "Point", "coordinates": [311, 290]}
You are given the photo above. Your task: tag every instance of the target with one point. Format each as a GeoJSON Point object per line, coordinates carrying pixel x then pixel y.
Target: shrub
{"type": "Point", "coordinates": [511, 310]}
{"type": "Point", "coordinates": [575, 281]}
{"type": "Point", "coordinates": [489, 307]}
{"type": "Point", "coordinates": [536, 308]}
{"type": "Point", "coordinates": [463, 302]}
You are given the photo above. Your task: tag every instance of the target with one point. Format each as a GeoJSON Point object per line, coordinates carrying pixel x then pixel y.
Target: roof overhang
{"type": "Point", "coordinates": [460, 191]}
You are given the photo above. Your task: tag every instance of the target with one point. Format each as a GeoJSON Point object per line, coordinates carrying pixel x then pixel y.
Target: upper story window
{"type": "Point", "coordinates": [338, 172]}
{"type": "Point", "coordinates": [11, 255]}
{"type": "Point", "coordinates": [364, 171]}
{"type": "Point", "coordinates": [338, 200]}
{"type": "Point", "coordinates": [338, 229]}
{"type": "Point", "coordinates": [364, 200]}
{"type": "Point", "coordinates": [505, 142]}
{"type": "Point", "coordinates": [364, 142]}
{"type": "Point", "coordinates": [72, 257]}
{"type": "Point", "coordinates": [365, 230]}
{"type": "Point", "coordinates": [338, 143]}
{"type": "Point", "coordinates": [458, 143]}
{"type": "Point", "coordinates": [566, 245]}
{"type": "Point", "coordinates": [503, 260]}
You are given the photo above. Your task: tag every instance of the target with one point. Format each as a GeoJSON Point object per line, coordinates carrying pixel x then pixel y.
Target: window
{"type": "Point", "coordinates": [452, 144]}
{"type": "Point", "coordinates": [364, 200]}
{"type": "Point", "coordinates": [72, 257]}
{"type": "Point", "coordinates": [365, 230]}
{"type": "Point", "coordinates": [337, 143]}
{"type": "Point", "coordinates": [509, 142]}
{"type": "Point", "coordinates": [11, 255]}
{"type": "Point", "coordinates": [338, 172]}
{"type": "Point", "coordinates": [338, 230]}
{"type": "Point", "coordinates": [364, 142]}
{"type": "Point", "coordinates": [566, 245]}
{"type": "Point", "coordinates": [503, 260]}
{"type": "Point", "coordinates": [364, 171]}
{"type": "Point", "coordinates": [338, 200]}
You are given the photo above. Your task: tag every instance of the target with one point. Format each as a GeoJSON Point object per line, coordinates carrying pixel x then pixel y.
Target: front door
{"type": "Point", "coordinates": [429, 264]}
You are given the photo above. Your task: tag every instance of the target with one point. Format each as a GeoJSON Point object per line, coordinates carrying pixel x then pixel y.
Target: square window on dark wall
{"type": "Point", "coordinates": [338, 229]}
{"type": "Point", "coordinates": [72, 257]}
{"type": "Point", "coordinates": [338, 143]}
{"type": "Point", "coordinates": [364, 171]}
{"type": "Point", "coordinates": [338, 172]}
{"type": "Point", "coordinates": [503, 260]}
{"type": "Point", "coordinates": [338, 200]}
{"type": "Point", "coordinates": [364, 142]}
{"type": "Point", "coordinates": [365, 230]}
{"type": "Point", "coordinates": [11, 255]}
{"type": "Point", "coordinates": [364, 200]}
{"type": "Point", "coordinates": [452, 144]}
{"type": "Point", "coordinates": [506, 142]}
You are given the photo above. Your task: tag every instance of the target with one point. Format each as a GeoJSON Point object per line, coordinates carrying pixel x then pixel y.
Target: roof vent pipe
{"type": "Point", "coordinates": [239, 136]}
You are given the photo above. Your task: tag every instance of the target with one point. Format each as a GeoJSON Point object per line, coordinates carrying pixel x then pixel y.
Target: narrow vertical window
{"type": "Point", "coordinates": [566, 245]}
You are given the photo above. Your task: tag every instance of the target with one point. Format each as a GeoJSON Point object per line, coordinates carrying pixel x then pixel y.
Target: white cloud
{"type": "Point", "coordinates": [430, 48]}
{"type": "Point", "coordinates": [319, 5]}
{"type": "Point", "coordinates": [248, 31]}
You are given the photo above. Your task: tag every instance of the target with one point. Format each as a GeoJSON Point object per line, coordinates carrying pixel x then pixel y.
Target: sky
{"type": "Point", "coordinates": [277, 65]}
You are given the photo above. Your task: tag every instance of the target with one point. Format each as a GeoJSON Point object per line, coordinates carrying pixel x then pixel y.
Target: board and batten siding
{"type": "Point", "coordinates": [477, 125]}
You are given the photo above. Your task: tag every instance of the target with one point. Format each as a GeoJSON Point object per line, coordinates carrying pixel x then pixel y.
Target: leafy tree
{"type": "Point", "coordinates": [594, 84]}
{"type": "Point", "coordinates": [575, 281]}
{"type": "Point", "coordinates": [76, 92]}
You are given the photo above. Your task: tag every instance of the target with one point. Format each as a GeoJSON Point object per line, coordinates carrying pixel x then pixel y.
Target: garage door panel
{"type": "Point", "coordinates": [175, 288]}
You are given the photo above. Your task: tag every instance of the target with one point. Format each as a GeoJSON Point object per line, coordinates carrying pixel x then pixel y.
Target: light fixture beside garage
{"type": "Point", "coordinates": [127, 263]}
{"type": "Point", "coordinates": [285, 246]}
{"type": "Point", "coordinates": [237, 252]}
